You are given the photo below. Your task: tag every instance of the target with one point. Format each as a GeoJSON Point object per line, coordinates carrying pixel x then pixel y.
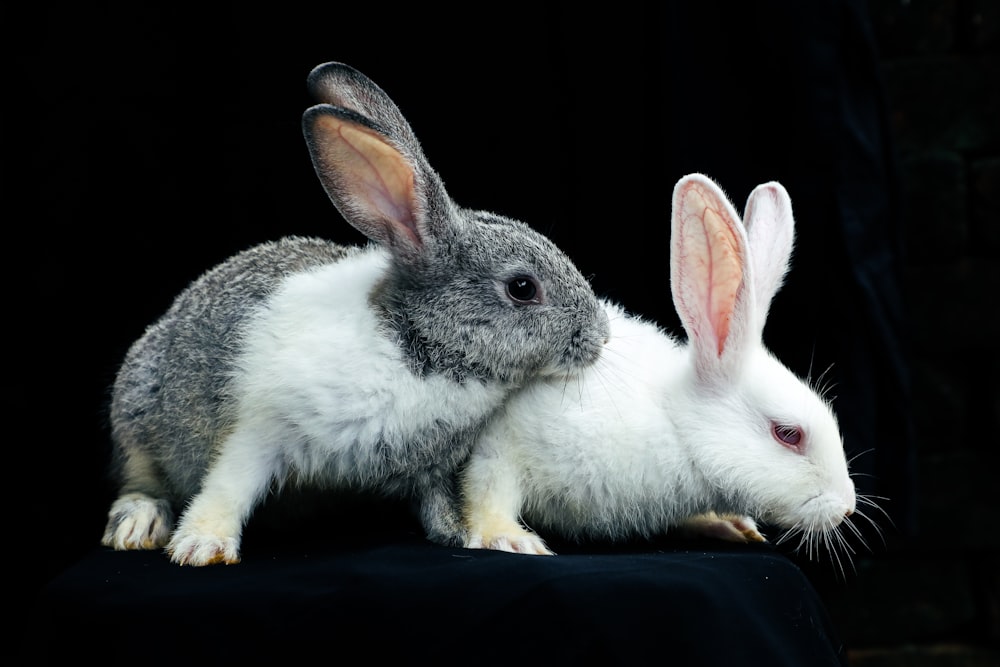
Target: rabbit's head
{"type": "Point", "coordinates": [763, 439]}
{"type": "Point", "coordinates": [471, 294]}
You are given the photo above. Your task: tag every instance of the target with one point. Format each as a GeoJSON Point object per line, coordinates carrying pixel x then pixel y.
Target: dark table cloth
{"type": "Point", "coordinates": [395, 596]}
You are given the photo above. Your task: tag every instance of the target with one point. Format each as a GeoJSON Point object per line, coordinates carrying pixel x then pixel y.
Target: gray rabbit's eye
{"type": "Point", "coordinates": [523, 289]}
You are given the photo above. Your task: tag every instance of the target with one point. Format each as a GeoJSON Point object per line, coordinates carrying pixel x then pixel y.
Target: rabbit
{"type": "Point", "coordinates": [703, 437]}
{"type": "Point", "coordinates": [303, 362]}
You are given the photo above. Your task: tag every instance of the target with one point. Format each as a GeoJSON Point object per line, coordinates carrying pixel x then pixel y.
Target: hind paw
{"type": "Point", "coordinates": [729, 527]}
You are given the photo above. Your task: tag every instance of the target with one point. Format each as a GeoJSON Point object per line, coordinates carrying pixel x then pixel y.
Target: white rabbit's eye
{"type": "Point", "coordinates": [523, 289]}
{"type": "Point", "coordinates": [788, 435]}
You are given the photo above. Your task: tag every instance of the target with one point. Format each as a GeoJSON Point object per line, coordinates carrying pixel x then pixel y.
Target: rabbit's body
{"type": "Point", "coordinates": [302, 361]}
{"type": "Point", "coordinates": [197, 349]}
{"type": "Point", "coordinates": [588, 456]}
{"type": "Point", "coordinates": [707, 435]}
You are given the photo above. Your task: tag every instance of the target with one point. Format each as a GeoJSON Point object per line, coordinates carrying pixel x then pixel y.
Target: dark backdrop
{"type": "Point", "coordinates": [144, 144]}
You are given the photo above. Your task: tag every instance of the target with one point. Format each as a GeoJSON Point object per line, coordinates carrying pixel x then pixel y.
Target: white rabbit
{"type": "Point", "coordinates": [708, 436]}
{"type": "Point", "coordinates": [301, 361]}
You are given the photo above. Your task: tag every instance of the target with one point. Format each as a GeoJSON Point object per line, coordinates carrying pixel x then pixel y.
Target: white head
{"type": "Point", "coordinates": [766, 442]}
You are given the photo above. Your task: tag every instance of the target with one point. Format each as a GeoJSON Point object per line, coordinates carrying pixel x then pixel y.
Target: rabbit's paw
{"type": "Point", "coordinates": [136, 521]}
{"type": "Point", "coordinates": [512, 538]}
{"type": "Point", "coordinates": [729, 527]}
{"type": "Point", "coordinates": [188, 547]}
{"type": "Point", "coordinates": [519, 544]}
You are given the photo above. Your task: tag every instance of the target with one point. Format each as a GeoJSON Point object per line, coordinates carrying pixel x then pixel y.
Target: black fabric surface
{"type": "Point", "coordinates": [399, 597]}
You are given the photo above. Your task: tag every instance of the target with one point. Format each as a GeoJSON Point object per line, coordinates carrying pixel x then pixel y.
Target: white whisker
{"type": "Point", "coordinates": [840, 543]}
{"type": "Point", "coordinates": [850, 461]}
{"type": "Point", "coordinates": [869, 501]}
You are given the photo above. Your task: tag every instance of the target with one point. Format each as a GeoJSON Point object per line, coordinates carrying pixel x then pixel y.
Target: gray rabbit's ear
{"type": "Point", "coordinates": [770, 231]}
{"type": "Point", "coordinates": [341, 85]}
{"type": "Point", "coordinates": [375, 186]}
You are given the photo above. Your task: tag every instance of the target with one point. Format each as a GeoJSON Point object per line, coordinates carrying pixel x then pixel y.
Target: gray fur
{"type": "Point", "coordinates": [169, 402]}
{"type": "Point", "coordinates": [183, 387]}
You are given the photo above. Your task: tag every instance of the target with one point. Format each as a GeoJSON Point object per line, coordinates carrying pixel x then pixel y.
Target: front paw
{"type": "Point", "coordinates": [509, 537]}
{"type": "Point", "coordinates": [729, 527]}
{"type": "Point", "coordinates": [521, 544]}
{"type": "Point", "coordinates": [188, 547]}
{"type": "Point", "coordinates": [137, 521]}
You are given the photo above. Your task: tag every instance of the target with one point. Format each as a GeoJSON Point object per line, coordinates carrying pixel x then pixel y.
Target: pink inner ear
{"type": "Point", "coordinates": [377, 176]}
{"type": "Point", "coordinates": [712, 259]}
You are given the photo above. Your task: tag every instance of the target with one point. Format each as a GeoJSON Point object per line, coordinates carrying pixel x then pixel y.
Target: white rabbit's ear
{"type": "Point", "coordinates": [374, 186]}
{"type": "Point", "coordinates": [708, 257]}
{"type": "Point", "coordinates": [770, 232]}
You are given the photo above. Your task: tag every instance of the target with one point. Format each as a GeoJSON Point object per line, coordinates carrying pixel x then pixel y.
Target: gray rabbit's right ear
{"type": "Point", "coordinates": [377, 188]}
{"type": "Point", "coordinates": [343, 86]}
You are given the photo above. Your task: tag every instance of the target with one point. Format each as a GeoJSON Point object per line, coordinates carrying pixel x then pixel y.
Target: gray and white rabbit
{"type": "Point", "coordinates": [707, 436]}
{"type": "Point", "coordinates": [300, 361]}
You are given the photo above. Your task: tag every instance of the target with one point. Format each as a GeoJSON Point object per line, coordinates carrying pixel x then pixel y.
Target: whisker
{"type": "Point", "coordinates": [850, 561]}
{"type": "Point", "coordinates": [833, 549]}
{"type": "Point", "coordinates": [870, 498]}
{"type": "Point", "coordinates": [869, 501]}
{"type": "Point", "coordinates": [854, 530]}
{"type": "Point", "coordinates": [855, 457]}
{"type": "Point", "coordinates": [820, 384]}
{"type": "Point", "coordinates": [845, 544]}
{"type": "Point", "coordinates": [837, 542]}
{"type": "Point", "coordinates": [874, 525]}
{"type": "Point", "coordinates": [822, 376]}
{"type": "Point", "coordinates": [785, 536]}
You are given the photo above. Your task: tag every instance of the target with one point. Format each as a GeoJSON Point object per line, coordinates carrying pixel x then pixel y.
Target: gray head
{"type": "Point", "coordinates": [469, 293]}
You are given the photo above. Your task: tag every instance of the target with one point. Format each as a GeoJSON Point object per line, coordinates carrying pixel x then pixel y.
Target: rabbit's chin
{"type": "Point", "coordinates": [564, 374]}
{"type": "Point", "coordinates": [821, 526]}
{"type": "Point", "coordinates": [822, 512]}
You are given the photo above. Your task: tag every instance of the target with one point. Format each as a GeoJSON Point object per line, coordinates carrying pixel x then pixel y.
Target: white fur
{"type": "Point", "coordinates": [661, 434]}
{"type": "Point", "coordinates": [314, 346]}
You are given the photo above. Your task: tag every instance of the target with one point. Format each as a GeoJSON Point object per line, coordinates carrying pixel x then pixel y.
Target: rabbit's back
{"type": "Point", "coordinates": [170, 398]}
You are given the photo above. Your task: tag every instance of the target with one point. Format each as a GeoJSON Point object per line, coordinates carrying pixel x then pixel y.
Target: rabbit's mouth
{"type": "Point", "coordinates": [584, 350]}
{"type": "Point", "coordinates": [583, 353]}
{"type": "Point", "coordinates": [569, 366]}
{"type": "Point", "coordinates": [826, 511]}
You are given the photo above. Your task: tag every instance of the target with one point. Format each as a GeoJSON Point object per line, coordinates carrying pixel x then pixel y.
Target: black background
{"type": "Point", "coordinates": [143, 144]}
